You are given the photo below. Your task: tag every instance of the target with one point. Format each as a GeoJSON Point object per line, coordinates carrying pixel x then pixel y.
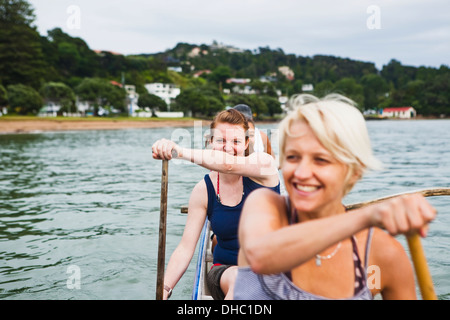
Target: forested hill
{"type": "Point", "coordinates": [29, 61]}
{"type": "Point", "coordinates": [264, 60]}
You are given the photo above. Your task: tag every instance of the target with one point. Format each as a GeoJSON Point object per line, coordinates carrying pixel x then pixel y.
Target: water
{"type": "Point", "coordinates": [84, 205]}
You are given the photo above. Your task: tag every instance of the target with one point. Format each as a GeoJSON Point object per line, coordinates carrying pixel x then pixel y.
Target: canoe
{"type": "Point", "coordinates": [204, 263]}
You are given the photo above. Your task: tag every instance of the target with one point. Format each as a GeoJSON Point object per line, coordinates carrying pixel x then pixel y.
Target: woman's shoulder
{"type": "Point", "coordinates": [264, 197]}
{"type": "Point", "coordinates": [199, 196]}
{"type": "Point", "coordinates": [253, 183]}
{"type": "Point", "coordinates": [200, 190]}
{"type": "Point", "coordinates": [267, 192]}
{"type": "Point", "coordinates": [385, 248]}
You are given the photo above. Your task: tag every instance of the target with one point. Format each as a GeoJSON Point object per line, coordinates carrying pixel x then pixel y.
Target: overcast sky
{"type": "Point", "coordinates": [415, 32]}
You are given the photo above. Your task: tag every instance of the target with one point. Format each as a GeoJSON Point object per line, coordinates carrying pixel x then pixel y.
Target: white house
{"type": "Point", "coordinates": [176, 69]}
{"type": "Point", "coordinates": [238, 80]}
{"type": "Point", "coordinates": [244, 90]}
{"type": "Point", "coordinates": [401, 112]}
{"type": "Point", "coordinates": [165, 91]}
{"type": "Point", "coordinates": [287, 72]}
{"type": "Point", "coordinates": [308, 87]}
{"type": "Point", "coordinates": [49, 109]}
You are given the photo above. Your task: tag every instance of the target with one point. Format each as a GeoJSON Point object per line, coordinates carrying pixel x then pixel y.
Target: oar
{"type": "Point", "coordinates": [421, 267]}
{"type": "Point", "coordinates": [162, 231]}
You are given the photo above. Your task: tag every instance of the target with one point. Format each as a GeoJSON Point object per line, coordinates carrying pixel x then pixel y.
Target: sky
{"type": "Point", "coordinates": [414, 32]}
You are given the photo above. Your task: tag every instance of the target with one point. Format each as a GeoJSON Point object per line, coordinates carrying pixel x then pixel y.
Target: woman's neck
{"type": "Point", "coordinates": [228, 178]}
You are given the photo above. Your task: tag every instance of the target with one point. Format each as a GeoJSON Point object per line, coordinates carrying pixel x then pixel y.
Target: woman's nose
{"type": "Point", "coordinates": [304, 169]}
{"type": "Point", "coordinates": [228, 146]}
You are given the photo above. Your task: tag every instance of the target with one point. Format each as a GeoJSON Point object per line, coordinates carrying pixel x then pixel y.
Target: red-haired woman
{"type": "Point", "coordinates": [219, 196]}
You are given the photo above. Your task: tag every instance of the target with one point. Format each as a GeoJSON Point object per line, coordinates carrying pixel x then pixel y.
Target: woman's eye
{"type": "Point", "coordinates": [322, 160]}
{"type": "Point", "coordinates": [291, 157]}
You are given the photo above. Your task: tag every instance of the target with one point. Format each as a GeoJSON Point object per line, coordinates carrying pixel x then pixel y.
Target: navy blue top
{"type": "Point", "coordinates": [225, 221]}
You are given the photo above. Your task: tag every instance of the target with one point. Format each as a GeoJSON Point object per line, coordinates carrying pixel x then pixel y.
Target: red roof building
{"type": "Point", "coordinates": [400, 112]}
{"type": "Point", "coordinates": [115, 83]}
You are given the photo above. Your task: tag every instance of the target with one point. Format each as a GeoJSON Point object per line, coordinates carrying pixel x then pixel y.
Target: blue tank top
{"type": "Point", "coordinates": [252, 286]}
{"type": "Point", "coordinates": [225, 221]}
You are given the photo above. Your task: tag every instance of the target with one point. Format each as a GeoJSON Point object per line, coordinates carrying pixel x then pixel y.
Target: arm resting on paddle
{"type": "Point", "coordinates": [269, 245]}
{"type": "Point", "coordinates": [260, 166]}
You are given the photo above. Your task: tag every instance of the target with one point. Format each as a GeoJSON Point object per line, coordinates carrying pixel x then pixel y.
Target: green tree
{"type": "Point", "coordinates": [236, 99]}
{"type": "Point", "coordinates": [273, 105]}
{"type": "Point", "coordinates": [69, 58]}
{"type": "Point", "coordinates": [204, 100]}
{"type": "Point", "coordinates": [323, 88]}
{"type": "Point", "coordinates": [60, 93]}
{"type": "Point", "coordinates": [73, 58]}
{"type": "Point", "coordinates": [24, 99]}
{"type": "Point", "coordinates": [101, 93]}
{"type": "Point", "coordinates": [151, 101]}
{"type": "Point", "coordinates": [3, 96]}
{"type": "Point", "coordinates": [375, 89]}
{"type": "Point", "coordinates": [21, 58]}
{"type": "Point", "coordinates": [351, 89]}
{"type": "Point", "coordinates": [191, 100]}
{"type": "Point", "coordinates": [436, 97]}
{"type": "Point", "coordinates": [220, 74]}
{"type": "Point", "coordinates": [397, 74]}
{"type": "Point", "coordinates": [255, 102]}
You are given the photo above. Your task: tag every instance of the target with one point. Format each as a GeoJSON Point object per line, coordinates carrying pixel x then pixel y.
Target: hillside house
{"type": "Point", "coordinates": [165, 91]}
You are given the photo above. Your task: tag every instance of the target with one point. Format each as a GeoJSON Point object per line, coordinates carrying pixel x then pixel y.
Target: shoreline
{"type": "Point", "coordinates": [18, 125]}
{"type": "Point", "coordinates": [30, 125]}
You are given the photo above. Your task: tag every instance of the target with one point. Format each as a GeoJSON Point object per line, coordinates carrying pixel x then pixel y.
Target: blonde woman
{"type": "Point", "coordinates": [305, 245]}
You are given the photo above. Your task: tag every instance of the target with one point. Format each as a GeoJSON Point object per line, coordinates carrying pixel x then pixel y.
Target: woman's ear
{"type": "Point", "coordinates": [353, 176]}
{"type": "Point", "coordinates": [356, 175]}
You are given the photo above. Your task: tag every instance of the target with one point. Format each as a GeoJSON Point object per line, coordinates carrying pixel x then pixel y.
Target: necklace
{"type": "Point", "coordinates": [319, 258]}
{"type": "Point", "coordinates": [218, 190]}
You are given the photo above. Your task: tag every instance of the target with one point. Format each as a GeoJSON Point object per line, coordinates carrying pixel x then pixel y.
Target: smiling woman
{"type": "Point", "coordinates": [305, 245]}
{"type": "Point", "coordinates": [219, 197]}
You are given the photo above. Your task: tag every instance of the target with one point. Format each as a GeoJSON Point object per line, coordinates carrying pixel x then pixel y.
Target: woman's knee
{"type": "Point", "coordinates": [228, 278]}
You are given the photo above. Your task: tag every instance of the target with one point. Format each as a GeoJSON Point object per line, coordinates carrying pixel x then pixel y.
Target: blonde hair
{"type": "Point", "coordinates": [338, 125]}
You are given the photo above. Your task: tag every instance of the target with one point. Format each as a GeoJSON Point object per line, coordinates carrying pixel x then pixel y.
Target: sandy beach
{"type": "Point", "coordinates": [16, 125]}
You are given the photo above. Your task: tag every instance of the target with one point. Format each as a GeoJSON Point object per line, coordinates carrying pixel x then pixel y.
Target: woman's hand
{"type": "Point", "coordinates": [403, 214]}
{"type": "Point", "coordinates": [164, 149]}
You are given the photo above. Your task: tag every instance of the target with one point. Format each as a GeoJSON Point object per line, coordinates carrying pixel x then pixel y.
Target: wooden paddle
{"type": "Point", "coordinates": [162, 228]}
{"type": "Point", "coordinates": [162, 231]}
{"type": "Point", "coordinates": [420, 265]}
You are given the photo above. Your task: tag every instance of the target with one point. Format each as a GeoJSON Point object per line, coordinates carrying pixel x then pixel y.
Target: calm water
{"type": "Point", "coordinates": [79, 211]}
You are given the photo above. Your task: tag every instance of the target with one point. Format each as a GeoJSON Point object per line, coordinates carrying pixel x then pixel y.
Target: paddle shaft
{"type": "Point", "coordinates": [162, 231]}
{"type": "Point", "coordinates": [421, 267]}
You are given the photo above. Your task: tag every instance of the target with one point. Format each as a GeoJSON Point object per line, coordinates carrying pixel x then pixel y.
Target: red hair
{"type": "Point", "coordinates": [230, 116]}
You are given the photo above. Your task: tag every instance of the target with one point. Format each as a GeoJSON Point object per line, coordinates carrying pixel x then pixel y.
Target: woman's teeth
{"type": "Point", "coordinates": [306, 188]}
